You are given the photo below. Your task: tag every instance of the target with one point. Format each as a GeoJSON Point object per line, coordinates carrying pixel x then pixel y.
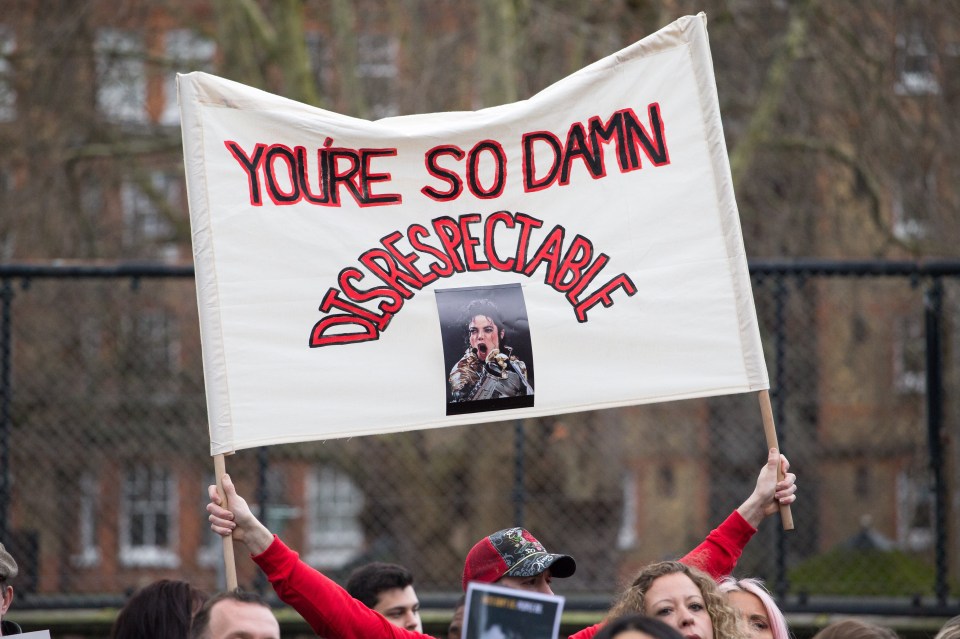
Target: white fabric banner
{"type": "Point", "coordinates": [577, 250]}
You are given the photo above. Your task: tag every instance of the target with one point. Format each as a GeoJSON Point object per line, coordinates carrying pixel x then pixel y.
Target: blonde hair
{"type": "Point", "coordinates": [723, 617]}
{"type": "Point", "coordinates": [855, 629]}
{"type": "Point", "coordinates": [950, 630]}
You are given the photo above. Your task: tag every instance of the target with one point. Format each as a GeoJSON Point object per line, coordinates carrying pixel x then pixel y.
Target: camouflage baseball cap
{"type": "Point", "coordinates": [513, 552]}
{"type": "Point", "coordinates": [8, 567]}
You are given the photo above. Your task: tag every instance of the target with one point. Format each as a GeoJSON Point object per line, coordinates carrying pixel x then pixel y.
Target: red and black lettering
{"type": "Point", "coordinates": [568, 267]}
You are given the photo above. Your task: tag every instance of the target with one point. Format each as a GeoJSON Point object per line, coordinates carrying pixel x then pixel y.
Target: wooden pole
{"type": "Point", "coordinates": [770, 430]}
{"type": "Point", "coordinates": [230, 564]}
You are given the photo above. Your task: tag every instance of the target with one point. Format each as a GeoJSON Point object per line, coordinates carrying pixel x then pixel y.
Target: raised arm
{"type": "Point", "coordinates": [718, 554]}
{"type": "Point", "coordinates": [324, 604]}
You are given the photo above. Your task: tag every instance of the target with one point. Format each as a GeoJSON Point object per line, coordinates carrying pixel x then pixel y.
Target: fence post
{"type": "Point", "coordinates": [263, 498]}
{"type": "Point", "coordinates": [518, 482]}
{"type": "Point", "coordinates": [6, 398]}
{"type": "Point", "coordinates": [932, 311]}
{"type": "Point", "coordinates": [6, 394]}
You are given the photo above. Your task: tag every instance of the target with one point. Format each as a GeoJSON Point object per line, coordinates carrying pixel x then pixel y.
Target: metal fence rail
{"type": "Point", "coordinates": [104, 457]}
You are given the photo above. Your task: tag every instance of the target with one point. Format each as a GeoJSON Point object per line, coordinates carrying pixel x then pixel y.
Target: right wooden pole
{"type": "Point", "coordinates": [770, 430]}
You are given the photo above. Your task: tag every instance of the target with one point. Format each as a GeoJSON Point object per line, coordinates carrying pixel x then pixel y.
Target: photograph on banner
{"type": "Point", "coordinates": [488, 357]}
{"type": "Point", "coordinates": [495, 612]}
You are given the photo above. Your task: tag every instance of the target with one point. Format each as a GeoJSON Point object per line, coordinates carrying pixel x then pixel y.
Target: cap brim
{"type": "Point", "coordinates": [560, 566]}
{"type": "Point", "coordinates": [564, 566]}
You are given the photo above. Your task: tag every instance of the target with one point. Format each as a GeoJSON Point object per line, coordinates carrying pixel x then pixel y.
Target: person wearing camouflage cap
{"type": "Point", "coordinates": [8, 570]}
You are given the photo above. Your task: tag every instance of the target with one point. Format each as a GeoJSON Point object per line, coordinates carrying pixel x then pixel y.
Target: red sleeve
{"type": "Point", "coordinates": [328, 608]}
{"type": "Point", "coordinates": [587, 633]}
{"type": "Point", "coordinates": [717, 555]}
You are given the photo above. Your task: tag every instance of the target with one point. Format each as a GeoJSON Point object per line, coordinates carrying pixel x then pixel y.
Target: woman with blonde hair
{"type": "Point", "coordinates": [680, 596]}
{"type": "Point", "coordinates": [759, 613]}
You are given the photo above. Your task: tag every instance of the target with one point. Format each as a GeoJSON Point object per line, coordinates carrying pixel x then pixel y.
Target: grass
{"type": "Point", "coordinates": [865, 573]}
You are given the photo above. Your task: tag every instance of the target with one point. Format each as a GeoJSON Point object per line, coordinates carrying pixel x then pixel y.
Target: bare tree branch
{"type": "Point", "coordinates": [866, 181]}
{"type": "Point", "coordinates": [771, 96]}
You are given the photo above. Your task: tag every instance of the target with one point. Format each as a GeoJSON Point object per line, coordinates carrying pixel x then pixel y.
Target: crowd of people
{"type": "Point", "coordinates": [694, 597]}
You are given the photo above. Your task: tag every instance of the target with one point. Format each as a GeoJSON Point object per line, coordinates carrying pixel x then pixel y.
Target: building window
{"type": "Point", "coordinates": [210, 550]}
{"type": "Point", "coordinates": [8, 95]}
{"type": "Point", "coordinates": [334, 504]}
{"type": "Point", "coordinates": [91, 340]}
{"type": "Point", "coordinates": [153, 337]}
{"type": "Point", "coordinates": [7, 236]}
{"type": "Point", "coordinates": [909, 355]}
{"type": "Point", "coordinates": [914, 511]}
{"type": "Point", "coordinates": [914, 203]}
{"type": "Point", "coordinates": [278, 513]}
{"type": "Point", "coordinates": [148, 517]}
{"type": "Point", "coordinates": [186, 51]}
{"type": "Point", "coordinates": [147, 207]}
{"type": "Point", "coordinates": [121, 80]}
{"type": "Point", "coordinates": [915, 66]}
{"type": "Point", "coordinates": [666, 481]}
{"type": "Point", "coordinates": [89, 550]}
{"type": "Point", "coordinates": [90, 197]}
{"type": "Point", "coordinates": [627, 535]}
{"type": "Point", "coordinates": [862, 481]}
{"type": "Point", "coordinates": [321, 61]}
{"type": "Point", "coordinates": [377, 68]}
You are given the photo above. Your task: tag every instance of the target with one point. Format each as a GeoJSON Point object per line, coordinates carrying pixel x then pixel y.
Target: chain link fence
{"type": "Point", "coordinates": [104, 457]}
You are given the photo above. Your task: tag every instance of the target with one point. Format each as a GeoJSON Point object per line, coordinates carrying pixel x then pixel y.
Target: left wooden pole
{"type": "Point", "coordinates": [230, 564]}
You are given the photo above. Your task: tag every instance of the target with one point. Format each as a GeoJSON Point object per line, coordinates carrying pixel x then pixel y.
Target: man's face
{"type": "Point", "coordinates": [538, 583]}
{"type": "Point", "coordinates": [6, 598]}
{"type": "Point", "coordinates": [401, 608]}
{"type": "Point", "coordinates": [484, 335]}
{"type": "Point", "coordinates": [239, 620]}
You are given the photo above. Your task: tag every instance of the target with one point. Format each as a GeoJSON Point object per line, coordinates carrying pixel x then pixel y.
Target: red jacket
{"type": "Point", "coordinates": [334, 614]}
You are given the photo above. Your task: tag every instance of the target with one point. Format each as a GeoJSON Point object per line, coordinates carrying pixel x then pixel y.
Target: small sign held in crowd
{"type": "Point", "coordinates": [495, 612]}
